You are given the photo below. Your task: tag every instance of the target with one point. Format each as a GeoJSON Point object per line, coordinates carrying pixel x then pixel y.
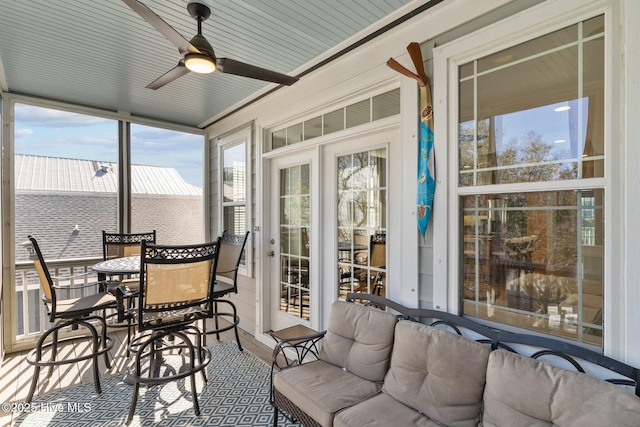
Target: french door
{"type": "Point", "coordinates": [329, 226]}
{"type": "Point", "coordinates": [292, 269]}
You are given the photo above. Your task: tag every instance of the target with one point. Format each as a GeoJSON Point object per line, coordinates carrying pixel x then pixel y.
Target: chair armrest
{"type": "Point", "coordinates": [102, 285]}
{"type": "Point", "coordinates": [303, 345]}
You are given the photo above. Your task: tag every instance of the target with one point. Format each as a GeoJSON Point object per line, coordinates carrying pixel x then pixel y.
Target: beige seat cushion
{"type": "Point", "coordinates": [381, 410]}
{"type": "Point", "coordinates": [359, 339]}
{"type": "Point", "coordinates": [523, 391]}
{"type": "Point", "coordinates": [71, 307]}
{"type": "Point", "coordinates": [321, 389]}
{"type": "Point", "coordinates": [437, 373]}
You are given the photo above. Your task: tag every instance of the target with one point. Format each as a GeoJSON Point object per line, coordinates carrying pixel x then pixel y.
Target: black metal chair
{"type": "Point", "coordinates": [119, 245]}
{"type": "Point", "coordinates": [231, 250]}
{"type": "Point", "coordinates": [176, 291]}
{"type": "Point", "coordinates": [70, 312]}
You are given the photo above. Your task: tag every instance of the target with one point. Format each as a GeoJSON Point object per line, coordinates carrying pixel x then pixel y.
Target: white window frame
{"type": "Point", "coordinates": [242, 136]}
{"type": "Point", "coordinates": [537, 21]}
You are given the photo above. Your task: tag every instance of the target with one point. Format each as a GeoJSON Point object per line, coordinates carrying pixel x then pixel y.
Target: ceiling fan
{"type": "Point", "coordinates": [198, 55]}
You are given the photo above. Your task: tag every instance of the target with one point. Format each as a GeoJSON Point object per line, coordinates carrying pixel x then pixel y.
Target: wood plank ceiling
{"type": "Point", "coordinates": [100, 53]}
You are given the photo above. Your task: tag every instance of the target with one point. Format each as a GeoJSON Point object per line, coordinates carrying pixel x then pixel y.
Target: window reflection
{"type": "Point", "coordinates": [535, 260]}
{"type": "Point", "coordinates": [501, 150]}
{"type": "Point", "coordinates": [362, 202]}
{"type": "Point", "coordinates": [534, 112]}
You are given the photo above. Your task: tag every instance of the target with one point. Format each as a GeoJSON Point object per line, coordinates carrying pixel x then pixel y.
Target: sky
{"type": "Point", "coordinates": [55, 133]}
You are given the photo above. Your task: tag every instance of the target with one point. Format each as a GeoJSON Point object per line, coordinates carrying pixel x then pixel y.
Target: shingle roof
{"type": "Point", "coordinates": [39, 173]}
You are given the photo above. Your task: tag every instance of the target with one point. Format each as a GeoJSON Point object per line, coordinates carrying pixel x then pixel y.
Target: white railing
{"type": "Point", "coordinates": [31, 316]}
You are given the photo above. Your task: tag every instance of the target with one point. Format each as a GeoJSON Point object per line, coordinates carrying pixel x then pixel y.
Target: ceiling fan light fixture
{"type": "Point", "coordinates": [199, 63]}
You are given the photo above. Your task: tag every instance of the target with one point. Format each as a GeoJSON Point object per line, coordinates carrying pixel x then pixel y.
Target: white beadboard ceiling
{"type": "Point", "coordinates": [99, 53]}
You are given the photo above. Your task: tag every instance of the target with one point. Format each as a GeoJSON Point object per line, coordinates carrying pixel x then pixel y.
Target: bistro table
{"type": "Point", "coordinates": [117, 266]}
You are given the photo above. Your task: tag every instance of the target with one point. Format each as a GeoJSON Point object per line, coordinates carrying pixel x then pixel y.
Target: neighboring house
{"type": "Point", "coordinates": [66, 203]}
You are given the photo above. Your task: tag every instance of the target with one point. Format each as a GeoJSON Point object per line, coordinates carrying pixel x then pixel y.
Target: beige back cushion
{"type": "Point", "coordinates": [359, 339]}
{"type": "Point", "coordinates": [524, 391]}
{"type": "Point", "coordinates": [437, 373]}
{"type": "Point", "coordinates": [44, 283]}
{"type": "Point", "coordinates": [176, 283]}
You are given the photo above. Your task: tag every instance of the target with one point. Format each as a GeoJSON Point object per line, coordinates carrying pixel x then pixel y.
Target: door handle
{"type": "Point", "coordinates": [271, 253]}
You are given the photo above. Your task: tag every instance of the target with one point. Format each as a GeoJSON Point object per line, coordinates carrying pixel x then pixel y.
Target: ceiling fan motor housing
{"type": "Point", "coordinates": [199, 11]}
{"type": "Point", "coordinates": [200, 43]}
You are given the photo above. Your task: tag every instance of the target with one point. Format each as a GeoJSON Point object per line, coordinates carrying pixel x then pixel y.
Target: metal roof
{"type": "Point", "coordinates": [54, 174]}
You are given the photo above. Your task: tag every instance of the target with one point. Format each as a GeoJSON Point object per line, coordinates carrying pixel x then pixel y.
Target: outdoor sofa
{"type": "Point", "coordinates": [376, 368]}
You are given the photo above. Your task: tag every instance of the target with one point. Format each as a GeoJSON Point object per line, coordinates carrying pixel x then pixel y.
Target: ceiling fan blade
{"type": "Point", "coordinates": [179, 71]}
{"type": "Point", "coordinates": [159, 24]}
{"type": "Point", "coordinates": [230, 66]}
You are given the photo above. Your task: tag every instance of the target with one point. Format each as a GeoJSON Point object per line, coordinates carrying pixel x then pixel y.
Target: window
{"type": "Point", "coordinates": [166, 184]}
{"type": "Point", "coordinates": [376, 108]}
{"type": "Point", "coordinates": [531, 153]}
{"type": "Point", "coordinates": [66, 186]}
{"type": "Point", "coordinates": [234, 184]}
{"type": "Point", "coordinates": [234, 175]}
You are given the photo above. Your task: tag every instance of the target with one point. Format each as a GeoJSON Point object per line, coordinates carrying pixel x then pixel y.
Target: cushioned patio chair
{"type": "Point", "coordinates": [231, 250]}
{"type": "Point", "coordinates": [69, 312]}
{"type": "Point", "coordinates": [176, 291]}
{"type": "Point", "coordinates": [119, 245]}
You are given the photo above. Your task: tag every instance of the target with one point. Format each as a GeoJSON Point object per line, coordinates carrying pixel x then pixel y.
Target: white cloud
{"type": "Point", "coordinates": [38, 116]}
{"type": "Point", "coordinates": [19, 133]}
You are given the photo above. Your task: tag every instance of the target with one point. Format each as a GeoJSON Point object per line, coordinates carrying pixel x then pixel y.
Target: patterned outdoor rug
{"type": "Point", "coordinates": [237, 394]}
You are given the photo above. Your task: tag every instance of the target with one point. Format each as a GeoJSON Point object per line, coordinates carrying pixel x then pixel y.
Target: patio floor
{"type": "Point", "coordinates": [16, 373]}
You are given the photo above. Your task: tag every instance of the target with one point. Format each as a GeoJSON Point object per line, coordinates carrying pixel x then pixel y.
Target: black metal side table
{"type": "Point", "coordinates": [303, 340]}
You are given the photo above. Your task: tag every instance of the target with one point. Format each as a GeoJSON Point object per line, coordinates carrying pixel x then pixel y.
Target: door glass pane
{"type": "Point", "coordinates": [362, 227]}
{"type": "Point", "coordinates": [386, 104]}
{"type": "Point", "coordinates": [334, 121]}
{"type": "Point", "coordinates": [535, 260]}
{"type": "Point", "coordinates": [166, 184]}
{"type": "Point", "coordinates": [312, 128]}
{"type": "Point", "coordinates": [295, 218]}
{"type": "Point", "coordinates": [358, 113]}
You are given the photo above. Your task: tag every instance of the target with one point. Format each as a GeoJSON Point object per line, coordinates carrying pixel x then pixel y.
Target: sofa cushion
{"type": "Point", "coordinates": [359, 339]}
{"type": "Point", "coordinates": [524, 391]}
{"type": "Point", "coordinates": [381, 410]}
{"type": "Point", "coordinates": [438, 373]}
{"type": "Point", "coordinates": [321, 389]}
